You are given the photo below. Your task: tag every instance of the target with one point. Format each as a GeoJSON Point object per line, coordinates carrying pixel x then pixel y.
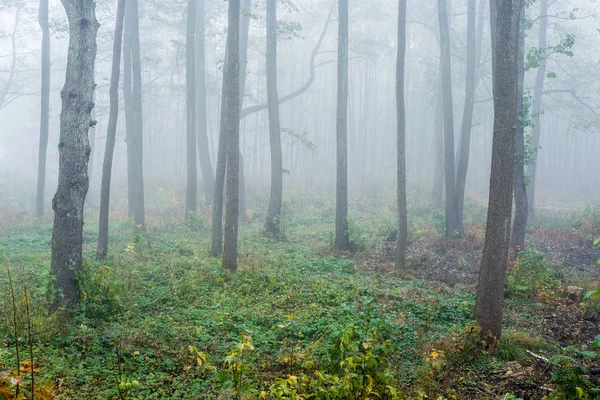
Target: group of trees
{"type": "Point", "coordinates": [224, 188]}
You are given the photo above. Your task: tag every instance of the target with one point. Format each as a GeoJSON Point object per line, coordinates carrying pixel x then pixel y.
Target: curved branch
{"type": "Point", "coordinates": [260, 107]}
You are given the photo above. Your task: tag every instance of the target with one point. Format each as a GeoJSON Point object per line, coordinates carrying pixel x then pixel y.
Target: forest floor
{"type": "Point", "coordinates": [159, 319]}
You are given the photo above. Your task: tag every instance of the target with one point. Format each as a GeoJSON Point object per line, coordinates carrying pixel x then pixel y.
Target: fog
{"type": "Point", "coordinates": [568, 156]}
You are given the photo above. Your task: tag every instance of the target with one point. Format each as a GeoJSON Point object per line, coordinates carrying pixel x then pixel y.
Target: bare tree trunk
{"type": "Point", "coordinates": [232, 74]}
{"type": "Point", "coordinates": [206, 169]}
{"type": "Point", "coordinates": [246, 9]}
{"type": "Point", "coordinates": [102, 245]}
{"type": "Point", "coordinates": [74, 150]}
{"type": "Point", "coordinates": [490, 291]}
{"type": "Point", "coordinates": [537, 106]}
{"type": "Point", "coordinates": [467, 120]}
{"type": "Point", "coordinates": [274, 213]}
{"type": "Point", "coordinates": [128, 105]}
{"type": "Point", "coordinates": [437, 193]}
{"type": "Point", "coordinates": [45, 109]}
{"type": "Point", "coordinates": [217, 206]}
{"type": "Point", "coordinates": [520, 189]}
{"type": "Point", "coordinates": [135, 138]}
{"type": "Point", "coordinates": [452, 225]}
{"type": "Point", "coordinates": [190, 57]}
{"type": "Point", "coordinates": [401, 139]}
{"type": "Point", "coordinates": [342, 238]}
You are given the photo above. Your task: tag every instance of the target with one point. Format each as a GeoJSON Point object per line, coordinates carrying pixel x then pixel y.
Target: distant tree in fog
{"type": "Point", "coordinates": [44, 109]}
{"type": "Point", "coordinates": [401, 138]}
{"type": "Point", "coordinates": [102, 245]}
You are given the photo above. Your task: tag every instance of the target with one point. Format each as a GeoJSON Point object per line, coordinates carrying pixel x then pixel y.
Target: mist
{"type": "Point", "coordinates": [197, 158]}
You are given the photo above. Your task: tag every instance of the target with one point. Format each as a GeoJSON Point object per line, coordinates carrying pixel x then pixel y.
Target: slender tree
{"type": "Point", "coordinates": [45, 109]}
{"type": "Point", "coordinates": [74, 149]}
{"type": "Point", "coordinates": [135, 133]}
{"type": "Point", "coordinates": [342, 237]}
{"type": "Point", "coordinates": [206, 169]}
{"type": "Point", "coordinates": [401, 138]}
{"type": "Point", "coordinates": [464, 146]}
{"type": "Point", "coordinates": [451, 206]}
{"type": "Point", "coordinates": [520, 189]}
{"type": "Point", "coordinates": [490, 291]}
{"type": "Point", "coordinates": [102, 245]}
{"type": "Point", "coordinates": [232, 73]}
{"type": "Point", "coordinates": [190, 80]}
{"type": "Point", "coordinates": [216, 247]}
{"type": "Point", "coordinates": [537, 105]}
{"type": "Point", "coordinates": [275, 201]}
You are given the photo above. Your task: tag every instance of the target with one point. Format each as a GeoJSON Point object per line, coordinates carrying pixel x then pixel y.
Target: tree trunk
{"type": "Point", "coordinates": [401, 115]}
{"type": "Point", "coordinates": [232, 74]}
{"type": "Point", "coordinates": [45, 109]}
{"type": "Point", "coordinates": [467, 120]}
{"type": "Point", "coordinates": [246, 9]}
{"type": "Point", "coordinates": [490, 291]}
{"type": "Point", "coordinates": [275, 201]}
{"type": "Point", "coordinates": [452, 225]}
{"type": "Point", "coordinates": [206, 169]}
{"type": "Point", "coordinates": [437, 193]}
{"type": "Point", "coordinates": [74, 150]}
{"type": "Point", "coordinates": [190, 58]}
{"type": "Point", "coordinates": [217, 207]}
{"type": "Point", "coordinates": [102, 245]}
{"type": "Point", "coordinates": [537, 106]}
{"type": "Point", "coordinates": [135, 137]}
{"type": "Point", "coordinates": [342, 238]}
{"type": "Point", "coordinates": [520, 189]}
{"type": "Point", "coordinates": [128, 104]}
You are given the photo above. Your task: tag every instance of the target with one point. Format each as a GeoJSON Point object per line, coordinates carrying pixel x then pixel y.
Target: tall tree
{"type": "Point", "coordinates": [246, 10]}
{"type": "Point", "coordinates": [132, 81]}
{"type": "Point", "coordinates": [232, 73]}
{"type": "Point", "coordinates": [401, 138]}
{"type": "Point", "coordinates": [488, 309]}
{"type": "Point", "coordinates": [451, 207]}
{"type": "Point", "coordinates": [276, 199]}
{"type": "Point", "coordinates": [216, 246]}
{"type": "Point", "coordinates": [537, 105]}
{"type": "Point", "coordinates": [464, 145]}
{"type": "Point", "coordinates": [102, 245]}
{"type": "Point", "coordinates": [342, 237]}
{"type": "Point", "coordinates": [190, 80]}
{"type": "Point", "coordinates": [45, 109]}
{"type": "Point", "coordinates": [206, 169]}
{"type": "Point", "coordinates": [520, 189]}
{"type": "Point", "coordinates": [74, 149]}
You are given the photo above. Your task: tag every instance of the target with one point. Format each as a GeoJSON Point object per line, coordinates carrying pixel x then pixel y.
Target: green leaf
{"type": "Point", "coordinates": [597, 242]}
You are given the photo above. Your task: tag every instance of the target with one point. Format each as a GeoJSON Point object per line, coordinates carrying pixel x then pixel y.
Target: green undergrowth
{"type": "Point", "coordinates": [161, 320]}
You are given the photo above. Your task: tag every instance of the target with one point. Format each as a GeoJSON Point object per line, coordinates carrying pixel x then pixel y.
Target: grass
{"type": "Point", "coordinates": [161, 320]}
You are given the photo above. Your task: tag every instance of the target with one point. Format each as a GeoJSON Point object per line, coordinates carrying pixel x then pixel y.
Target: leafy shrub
{"type": "Point", "coordinates": [530, 277]}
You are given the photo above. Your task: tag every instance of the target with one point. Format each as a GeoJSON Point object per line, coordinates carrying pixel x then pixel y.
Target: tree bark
{"type": "Point", "coordinates": [232, 75]}
{"type": "Point", "coordinates": [206, 169]}
{"type": "Point", "coordinates": [246, 9]}
{"type": "Point", "coordinates": [490, 291]}
{"type": "Point", "coordinates": [135, 136]}
{"type": "Point", "coordinates": [45, 109]}
{"type": "Point", "coordinates": [537, 106]}
{"type": "Point", "coordinates": [437, 193]}
{"type": "Point", "coordinates": [102, 245]}
{"type": "Point", "coordinates": [401, 139]}
{"type": "Point", "coordinates": [342, 237]}
{"type": "Point", "coordinates": [217, 206]}
{"type": "Point", "coordinates": [467, 119]}
{"type": "Point", "coordinates": [451, 207]}
{"type": "Point", "coordinates": [520, 189]}
{"type": "Point", "coordinates": [274, 212]}
{"type": "Point", "coordinates": [74, 150]}
{"type": "Point", "coordinates": [190, 75]}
